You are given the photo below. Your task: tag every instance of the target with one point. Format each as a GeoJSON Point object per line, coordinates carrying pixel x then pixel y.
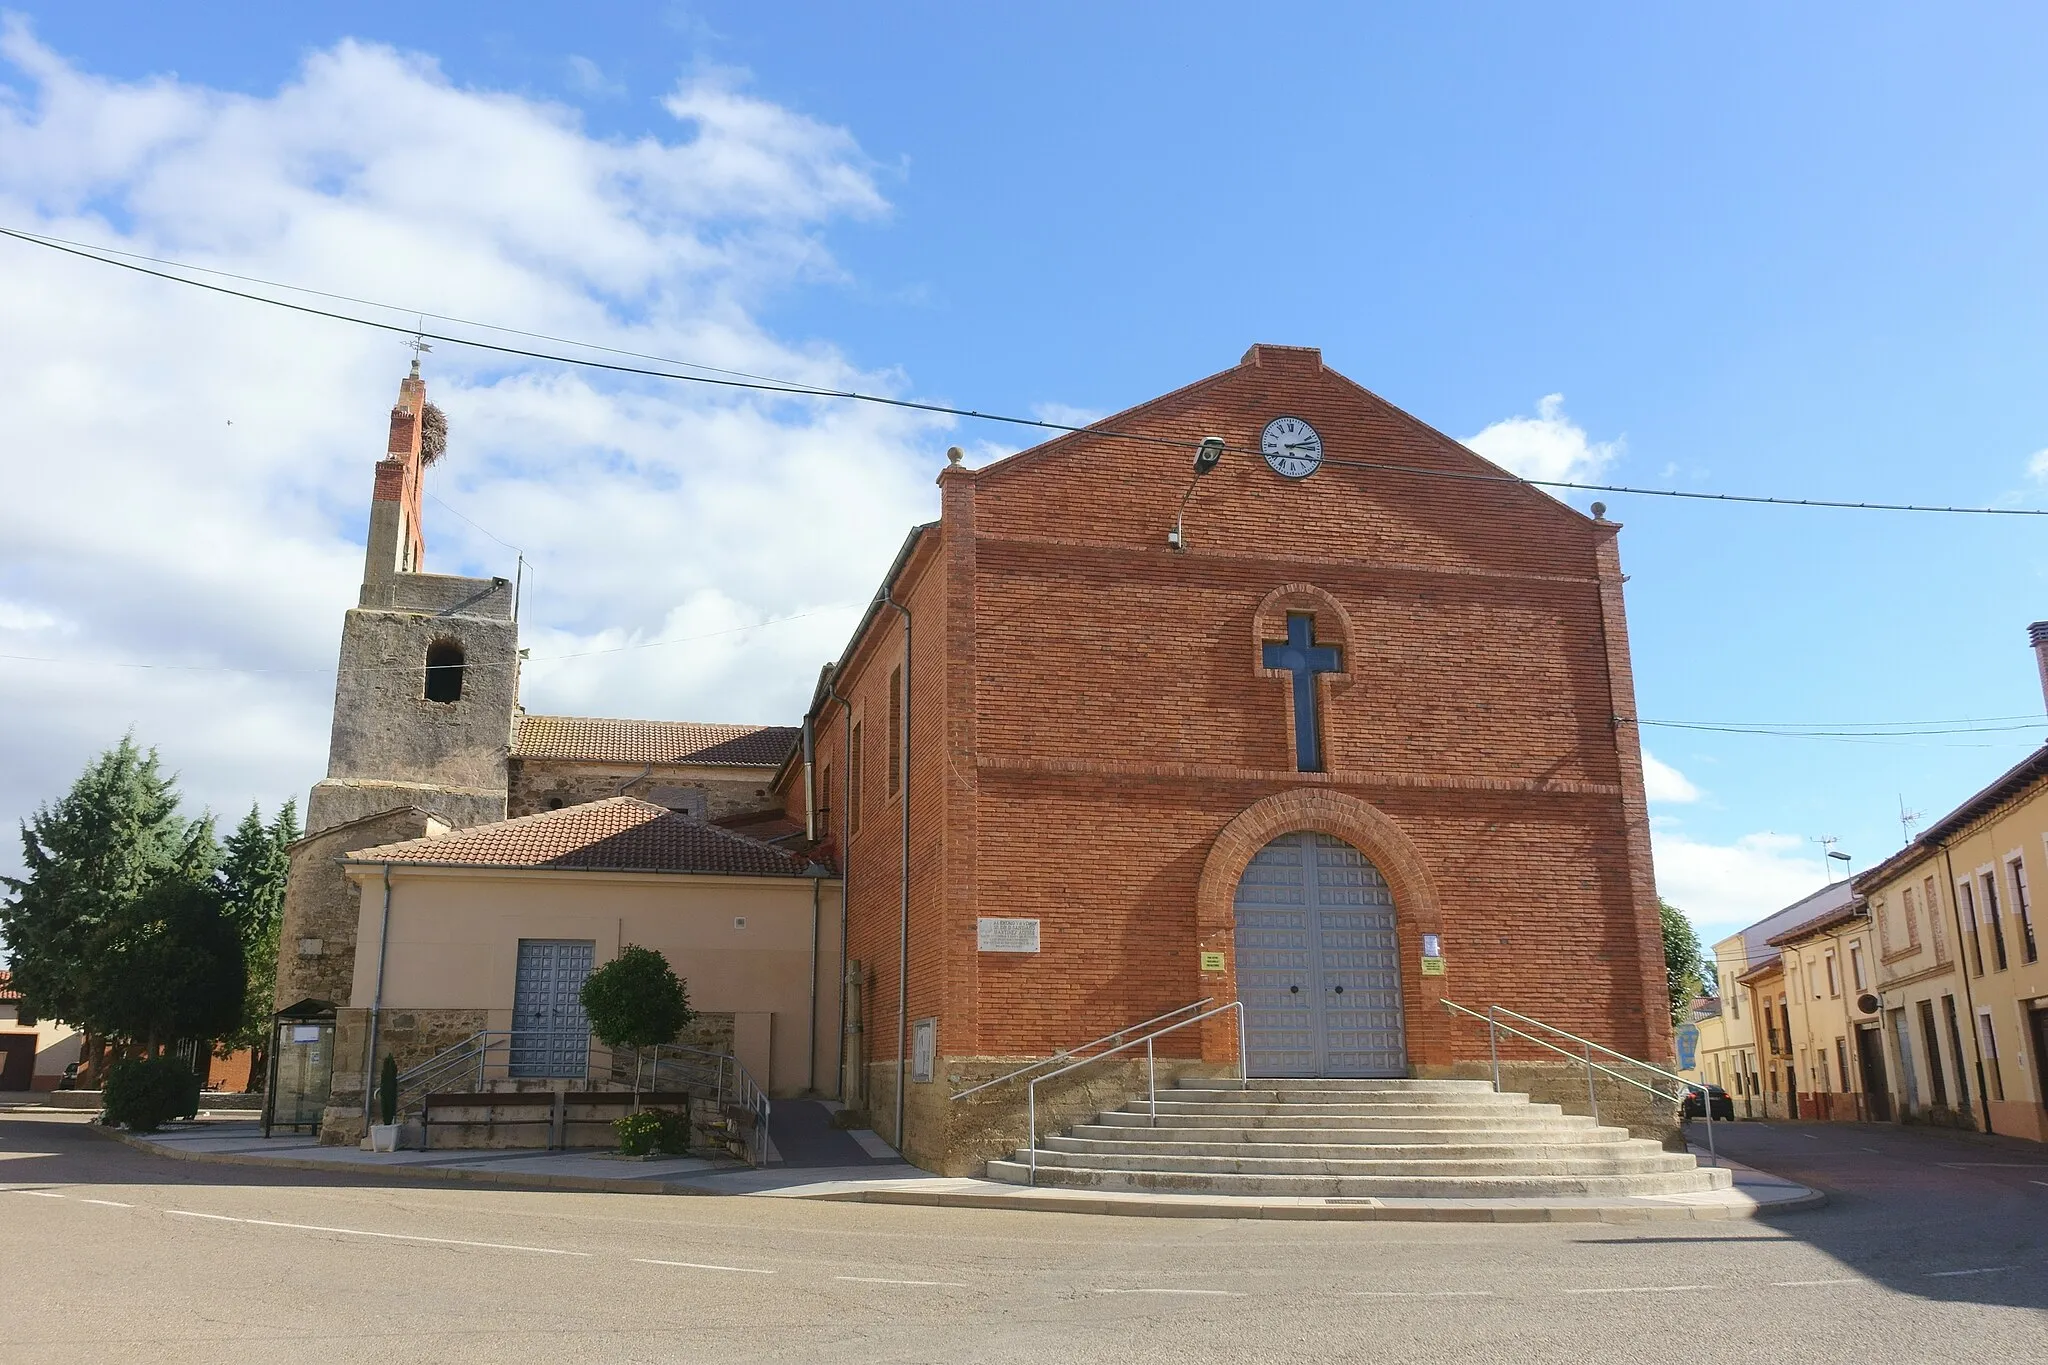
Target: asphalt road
{"type": "Point", "coordinates": [1933, 1247]}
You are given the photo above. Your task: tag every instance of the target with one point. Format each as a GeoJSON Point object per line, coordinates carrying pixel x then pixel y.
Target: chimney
{"type": "Point", "coordinates": [2038, 635]}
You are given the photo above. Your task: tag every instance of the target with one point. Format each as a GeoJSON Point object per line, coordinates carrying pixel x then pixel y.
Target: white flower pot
{"type": "Point", "coordinates": [383, 1137]}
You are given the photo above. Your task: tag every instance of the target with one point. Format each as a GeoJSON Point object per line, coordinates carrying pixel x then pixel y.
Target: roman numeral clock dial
{"type": "Point", "coordinates": [1291, 447]}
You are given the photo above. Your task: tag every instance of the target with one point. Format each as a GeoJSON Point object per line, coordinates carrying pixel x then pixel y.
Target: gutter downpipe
{"type": "Point", "coordinates": [811, 836]}
{"type": "Point", "coordinates": [377, 998]}
{"type": "Point", "coordinates": [817, 882]}
{"type": "Point", "coordinates": [1955, 910]}
{"type": "Point", "coordinates": [845, 867]}
{"type": "Point", "coordinates": [903, 921]}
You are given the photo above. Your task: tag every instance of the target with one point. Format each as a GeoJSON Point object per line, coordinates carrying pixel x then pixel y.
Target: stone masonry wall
{"type": "Point", "coordinates": [321, 905]}
{"type": "Point", "coordinates": [538, 784]}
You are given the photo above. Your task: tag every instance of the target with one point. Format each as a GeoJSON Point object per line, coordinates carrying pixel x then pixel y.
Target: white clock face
{"type": "Point", "coordinates": [1292, 447]}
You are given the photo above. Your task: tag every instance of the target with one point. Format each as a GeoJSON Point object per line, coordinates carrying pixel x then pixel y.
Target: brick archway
{"type": "Point", "coordinates": [1369, 830]}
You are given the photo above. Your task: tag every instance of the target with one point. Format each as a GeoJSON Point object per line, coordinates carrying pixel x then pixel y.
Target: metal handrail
{"type": "Point", "coordinates": [1068, 1053]}
{"type": "Point", "coordinates": [1151, 1072]}
{"type": "Point", "coordinates": [1494, 1027]}
{"type": "Point", "coordinates": [729, 1079]}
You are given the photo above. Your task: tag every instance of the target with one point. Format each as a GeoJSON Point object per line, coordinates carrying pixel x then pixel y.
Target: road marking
{"type": "Point", "coordinates": [1950, 1274]}
{"type": "Point", "coordinates": [1210, 1293]}
{"type": "Point", "coordinates": [2041, 1182]}
{"type": "Point", "coordinates": [1420, 1294]}
{"type": "Point", "coordinates": [109, 1203]}
{"type": "Point", "coordinates": [1641, 1289]}
{"type": "Point", "coordinates": [361, 1232]}
{"type": "Point", "coordinates": [1994, 1165]}
{"type": "Point", "coordinates": [1808, 1284]}
{"type": "Point", "coordinates": [1811, 1137]}
{"type": "Point", "coordinates": [40, 1194]}
{"type": "Point", "coordinates": [920, 1284]}
{"type": "Point", "coordinates": [699, 1265]}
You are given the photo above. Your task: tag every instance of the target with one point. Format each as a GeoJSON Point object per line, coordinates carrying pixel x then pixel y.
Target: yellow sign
{"type": "Point", "coordinates": [1212, 962]}
{"type": "Point", "coordinates": [1432, 966]}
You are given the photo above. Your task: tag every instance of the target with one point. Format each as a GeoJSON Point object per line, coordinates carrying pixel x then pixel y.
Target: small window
{"type": "Point", "coordinates": [895, 730]}
{"type": "Point", "coordinates": [1856, 966]}
{"type": "Point", "coordinates": [554, 803]}
{"type": "Point", "coordinates": [853, 793]}
{"type": "Point", "coordinates": [444, 671]}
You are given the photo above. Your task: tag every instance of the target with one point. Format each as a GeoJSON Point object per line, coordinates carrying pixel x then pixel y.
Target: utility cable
{"type": "Point", "coordinates": [740, 380]}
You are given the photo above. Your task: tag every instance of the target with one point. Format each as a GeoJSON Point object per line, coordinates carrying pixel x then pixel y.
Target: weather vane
{"type": "Point", "coordinates": [418, 344]}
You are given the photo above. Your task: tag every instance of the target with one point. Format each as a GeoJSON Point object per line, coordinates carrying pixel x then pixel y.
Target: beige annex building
{"type": "Point", "coordinates": [466, 864]}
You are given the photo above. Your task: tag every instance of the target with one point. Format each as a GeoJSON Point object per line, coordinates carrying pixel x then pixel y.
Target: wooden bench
{"type": "Point", "coordinates": [554, 1108]}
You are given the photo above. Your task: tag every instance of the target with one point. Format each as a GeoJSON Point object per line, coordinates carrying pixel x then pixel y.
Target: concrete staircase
{"type": "Point", "coordinates": [1356, 1139]}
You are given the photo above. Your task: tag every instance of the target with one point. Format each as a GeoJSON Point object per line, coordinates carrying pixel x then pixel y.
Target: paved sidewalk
{"type": "Point", "coordinates": [897, 1182]}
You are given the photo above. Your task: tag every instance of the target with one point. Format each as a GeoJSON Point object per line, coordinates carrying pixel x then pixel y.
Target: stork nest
{"type": "Point", "coordinates": [433, 434]}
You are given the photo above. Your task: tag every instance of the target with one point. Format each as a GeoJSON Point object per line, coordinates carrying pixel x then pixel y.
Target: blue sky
{"type": "Point", "coordinates": [1753, 251]}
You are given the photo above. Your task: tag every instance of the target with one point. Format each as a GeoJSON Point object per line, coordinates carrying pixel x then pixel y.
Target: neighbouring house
{"type": "Point", "coordinates": [33, 1052]}
{"type": "Point", "coordinates": [1836, 1035]}
{"type": "Point", "coordinates": [1961, 981]}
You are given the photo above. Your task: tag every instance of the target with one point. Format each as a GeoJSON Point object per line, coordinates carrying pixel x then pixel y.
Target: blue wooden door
{"type": "Point", "coordinates": [1318, 968]}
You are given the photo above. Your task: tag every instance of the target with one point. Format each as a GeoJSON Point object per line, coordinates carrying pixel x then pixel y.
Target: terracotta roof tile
{"type": "Point", "coordinates": [7, 991]}
{"type": "Point", "coordinates": [589, 739]}
{"type": "Point", "coordinates": [621, 834]}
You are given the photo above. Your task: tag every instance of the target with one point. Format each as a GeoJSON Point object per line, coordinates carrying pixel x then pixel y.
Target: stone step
{"type": "Point", "coordinates": [1305, 1146]}
{"type": "Point", "coordinates": [1352, 1108]}
{"type": "Point", "coordinates": [1692, 1181]}
{"type": "Point", "coordinates": [1655, 1162]}
{"type": "Point", "coordinates": [1399, 1128]}
{"type": "Point", "coordinates": [1361, 1086]}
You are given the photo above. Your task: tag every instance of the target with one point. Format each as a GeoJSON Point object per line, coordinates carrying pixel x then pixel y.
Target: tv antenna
{"type": "Point", "coordinates": [1827, 843]}
{"type": "Point", "coordinates": [418, 344]}
{"type": "Point", "coordinates": [1908, 818]}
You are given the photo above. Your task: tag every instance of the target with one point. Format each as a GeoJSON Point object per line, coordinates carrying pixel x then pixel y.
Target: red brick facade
{"type": "Point", "coordinates": [1094, 742]}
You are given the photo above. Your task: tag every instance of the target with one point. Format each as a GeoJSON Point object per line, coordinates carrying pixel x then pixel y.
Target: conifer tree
{"type": "Point", "coordinates": [255, 863]}
{"type": "Point", "coordinates": [90, 857]}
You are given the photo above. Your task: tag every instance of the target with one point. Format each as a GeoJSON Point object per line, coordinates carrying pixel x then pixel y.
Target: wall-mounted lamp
{"type": "Point", "coordinates": [1207, 456]}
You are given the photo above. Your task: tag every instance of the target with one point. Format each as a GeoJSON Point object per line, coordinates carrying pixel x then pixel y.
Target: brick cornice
{"type": "Point", "coordinates": [1348, 777]}
{"type": "Point", "coordinates": [1322, 563]}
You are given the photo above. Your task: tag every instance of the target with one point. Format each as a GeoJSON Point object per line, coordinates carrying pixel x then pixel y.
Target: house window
{"type": "Point", "coordinates": [1734, 998]}
{"type": "Point", "coordinates": [1930, 1043]}
{"type": "Point", "coordinates": [1906, 909]}
{"type": "Point", "coordinates": [1842, 1062]}
{"type": "Point", "coordinates": [853, 789]}
{"type": "Point", "coordinates": [1856, 973]}
{"type": "Point", "coordinates": [1930, 901]}
{"type": "Point", "coordinates": [2023, 910]}
{"type": "Point", "coordinates": [444, 671]}
{"type": "Point", "coordinates": [1968, 904]}
{"type": "Point", "coordinates": [1989, 881]}
{"type": "Point", "coordinates": [895, 729]}
{"type": "Point", "coordinates": [1813, 976]}
{"type": "Point", "coordinates": [1824, 1083]}
{"type": "Point", "coordinates": [1834, 977]}
{"type": "Point", "coordinates": [1785, 1020]}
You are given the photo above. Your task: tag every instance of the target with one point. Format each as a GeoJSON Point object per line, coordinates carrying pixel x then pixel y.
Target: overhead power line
{"type": "Point", "coordinates": [715, 377]}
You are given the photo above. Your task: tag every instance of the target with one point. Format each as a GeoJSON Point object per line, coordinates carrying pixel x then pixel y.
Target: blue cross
{"type": "Point", "coordinates": [1301, 656]}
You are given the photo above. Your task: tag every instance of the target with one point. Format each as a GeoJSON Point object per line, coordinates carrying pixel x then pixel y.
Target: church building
{"type": "Point", "coordinates": [1262, 692]}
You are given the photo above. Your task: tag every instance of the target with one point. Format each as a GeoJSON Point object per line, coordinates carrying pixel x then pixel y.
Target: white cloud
{"type": "Point", "coordinates": [1726, 887]}
{"type": "Point", "coordinates": [1549, 445]}
{"type": "Point", "coordinates": [587, 77]}
{"type": "Point", "coordinates": [2037, 466]}
{"type": "Point", "coordinates": [1665, 783]}
{"type": "Point", "coordinates": [187, 476]}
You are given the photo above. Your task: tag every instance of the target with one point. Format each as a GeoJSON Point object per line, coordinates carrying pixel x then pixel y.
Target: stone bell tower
{"type": "Point", "coordinates": [423, 703]}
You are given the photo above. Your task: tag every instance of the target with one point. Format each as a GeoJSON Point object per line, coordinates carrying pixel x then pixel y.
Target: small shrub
{"type": "Point", "coordinates": [653, 1130]}
{"type": "Point", "coordinates": [636, 1000]}
{"type": "Point", "coordinates": [145, 1093]}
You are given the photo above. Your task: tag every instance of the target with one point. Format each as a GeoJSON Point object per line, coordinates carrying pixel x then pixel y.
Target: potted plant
{"type": "Point", "coordinates": [384, 1133]}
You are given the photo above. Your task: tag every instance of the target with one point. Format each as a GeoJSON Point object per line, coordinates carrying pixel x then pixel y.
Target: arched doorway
{"type": "Point", "coordinates": [1318, 967]}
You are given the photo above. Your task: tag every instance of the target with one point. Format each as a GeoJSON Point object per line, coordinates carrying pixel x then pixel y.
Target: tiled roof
{"type": "Point", "coordinates": [7, 991]}
{"type": "Point", "coordinates": [1828, 919]}
{"type": "Point", "coordinates": [588, 739]}
{"type": "Point", "coordinates": [617, 835]}
{"type": "Point", "coordinates": [2013, 782]}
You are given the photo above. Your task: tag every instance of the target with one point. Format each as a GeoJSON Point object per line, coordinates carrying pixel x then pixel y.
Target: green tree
{"type": "Point", "coordinates": [1684, 963]}
{"type": "Point", "coordinates": [255, 861]}
{"type": "Point", "coordinates": [89, 857]}
{"type": "Point", "coordinates": [167, 966]}
{"type": "Point", "coordinates": [636, 1000]}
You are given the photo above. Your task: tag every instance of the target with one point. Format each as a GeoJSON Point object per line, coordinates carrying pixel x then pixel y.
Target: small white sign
{"type": "Point", "coordinates": [305, 1033]}
{"type": "Point", "coordinates": [1006, 935]}
{"type": "Point", "coordinates": [924, 1049]}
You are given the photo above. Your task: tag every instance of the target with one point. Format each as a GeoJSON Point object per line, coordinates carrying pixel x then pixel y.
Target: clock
{"type": "Point", "coordinates": [1292, 447]}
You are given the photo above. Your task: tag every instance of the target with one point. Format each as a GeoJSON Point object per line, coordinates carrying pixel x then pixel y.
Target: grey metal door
{"type": "Point", "coordinates": [1318, 968]}
{"type": "Point", "coordinates": [550, 1033]}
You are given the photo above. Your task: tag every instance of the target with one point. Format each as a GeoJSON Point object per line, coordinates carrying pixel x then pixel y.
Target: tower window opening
{"type": "Point", "coordinates": [444, 671]}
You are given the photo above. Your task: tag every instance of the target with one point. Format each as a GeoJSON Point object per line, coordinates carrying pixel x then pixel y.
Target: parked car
{"type": "Point", "coordinates": [1693, 1107]}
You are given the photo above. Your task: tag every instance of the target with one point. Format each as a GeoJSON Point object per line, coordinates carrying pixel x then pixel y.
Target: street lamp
{"type": "Point", "coordinates": [1841, 858]}
{"type": "Point", "coordinates": [1207, 456]}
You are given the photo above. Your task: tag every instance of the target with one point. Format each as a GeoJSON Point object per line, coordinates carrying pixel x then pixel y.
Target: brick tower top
{"type": "Point", "coordinates": [397, 543]}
